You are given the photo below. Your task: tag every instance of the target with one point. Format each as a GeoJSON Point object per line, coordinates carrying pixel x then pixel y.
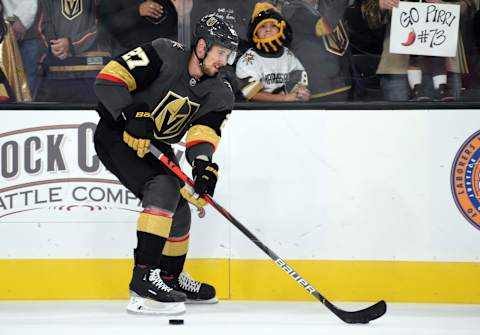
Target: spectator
{"type": "Point", "coordinates": [22, 15]}
{"type": "Point", "coordinates": [322, 45]}
{"type": "Point", "coordinates": [72, 56]}
{"type": "Point", "coordinates": [393, 67]}
{"type": "Point", "coordinates": [13, 79]}
{"type": "Point", "coordinates": [6, 94]}
{"type": "Point", "coordinates": [438, 68]}
{"type": "Point", "coordinates": [269, 70]}
{"type": "Point", "coordinates": [130, 23]}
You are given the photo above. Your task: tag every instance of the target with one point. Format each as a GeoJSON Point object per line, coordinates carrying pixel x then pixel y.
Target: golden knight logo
{"type": "Point", "coordinates": [72, 8]}
{"type": "Point", "coordinates": [337, 41]}
{"type": "Point", "coordinates": [172, 114]}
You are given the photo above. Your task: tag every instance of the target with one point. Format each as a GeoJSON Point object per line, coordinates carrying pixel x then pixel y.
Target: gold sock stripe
{"type": "Point", "coordinates": [176, 246]}
{"type": "Point", "coordinates": [155, 224]}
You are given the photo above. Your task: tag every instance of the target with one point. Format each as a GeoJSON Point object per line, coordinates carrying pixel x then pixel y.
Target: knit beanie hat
{"type": "Point", "coordinates": [262, 13]}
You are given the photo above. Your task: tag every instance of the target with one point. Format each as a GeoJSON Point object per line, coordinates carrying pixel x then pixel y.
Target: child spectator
{"type": "Point", "coordinates": [269, 71]}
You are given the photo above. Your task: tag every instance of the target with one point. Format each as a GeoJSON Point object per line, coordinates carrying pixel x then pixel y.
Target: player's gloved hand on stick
{"type": "Point", "coordinates": [205, 175]}
{"type": "Point", "coordinates": [139, 128]}
{"type": "Point", "coordinates": [187, 193]}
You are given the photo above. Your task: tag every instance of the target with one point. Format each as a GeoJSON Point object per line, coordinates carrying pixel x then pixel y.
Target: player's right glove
{"type": "Point", "coordinates": [205, 175]}
{"type": "Point", "coordinates": [139, 128]}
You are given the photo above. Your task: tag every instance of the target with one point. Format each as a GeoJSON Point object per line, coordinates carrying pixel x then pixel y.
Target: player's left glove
{"type": "Point", "coordinates": [205, 175]}
{"type": "Point", "coordinates": [139, 127]}
{"type": "Point", "coordinates": [195, 200]}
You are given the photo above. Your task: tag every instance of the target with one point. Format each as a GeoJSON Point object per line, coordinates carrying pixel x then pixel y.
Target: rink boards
{"type": "Point", "coordinates": [364, 204]}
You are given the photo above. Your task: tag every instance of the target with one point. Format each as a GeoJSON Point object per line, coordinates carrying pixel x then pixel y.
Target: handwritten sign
{"type": "Point", "coordinates": [425, 29]}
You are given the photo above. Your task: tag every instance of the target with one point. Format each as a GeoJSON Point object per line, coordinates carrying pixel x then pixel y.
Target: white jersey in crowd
{"type": "Point", "coordinates": [24, 10]}
{"type": "Point", "coordinates": [267, 74]}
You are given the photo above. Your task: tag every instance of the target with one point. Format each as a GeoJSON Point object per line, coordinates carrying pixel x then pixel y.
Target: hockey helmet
{"type": "Point", "coordinates": [215, 31]}
{"type": "Point", "coordinates": [262, 13]}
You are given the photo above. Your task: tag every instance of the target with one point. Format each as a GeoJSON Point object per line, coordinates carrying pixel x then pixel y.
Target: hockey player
{"type": "Point", "coordinates": [156, 94]}
{"type": "Point", "coordinates": [269, 71]}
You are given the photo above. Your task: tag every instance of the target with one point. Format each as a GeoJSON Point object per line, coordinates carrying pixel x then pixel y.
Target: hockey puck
{"type": "Point", "coordinates": [175, 321]}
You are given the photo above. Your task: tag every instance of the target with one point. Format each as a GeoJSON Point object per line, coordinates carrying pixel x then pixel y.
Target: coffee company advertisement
{"type": "Point", "coordinates": [50, 172]}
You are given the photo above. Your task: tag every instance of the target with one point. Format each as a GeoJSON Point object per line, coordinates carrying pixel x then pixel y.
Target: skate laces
{"type": "Point", "coordinates": [188, 283]}
{"type": "Point", "coordinates": [157, 280]}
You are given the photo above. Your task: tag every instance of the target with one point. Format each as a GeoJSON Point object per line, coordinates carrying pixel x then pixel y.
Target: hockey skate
{"type": "Point", "coordinates": [150, 295]}
{"type": "Point", "coordinates": [196, 292]}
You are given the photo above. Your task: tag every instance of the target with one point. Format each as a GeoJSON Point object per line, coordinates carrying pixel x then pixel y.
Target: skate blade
{"type": "Point", "coordinates": [214, 300]}
{"type": "Point", "coordinates": [139, 305]}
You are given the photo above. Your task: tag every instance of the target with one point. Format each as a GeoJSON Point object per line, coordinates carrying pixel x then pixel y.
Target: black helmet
{"type": "Point", "coordinates": [215, 31]}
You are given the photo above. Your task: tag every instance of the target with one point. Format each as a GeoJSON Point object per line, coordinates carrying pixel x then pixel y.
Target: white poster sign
{"type": "Point", "coordinates": [427, 29]}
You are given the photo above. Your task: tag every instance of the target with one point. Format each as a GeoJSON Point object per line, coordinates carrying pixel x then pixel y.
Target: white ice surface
{"type": "Point", "coordinates": [229, 318]}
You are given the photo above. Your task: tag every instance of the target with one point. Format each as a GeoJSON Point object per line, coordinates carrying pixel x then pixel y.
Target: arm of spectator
{"type": "Point", "coordinates": [61, 48]}
{"type": "Point", "coordinates": [376, 12]}
{"type": "Point", "coordinates": [83, 41]}
{"type": "Point", "coordinates": [19, 29]}
{"type": "Point", "coordinates": [467, 7]}
{"type": "Point", "coordinates": [333, 11]}
{"type": "Point", "coordinates": [150, 9]}
{"type": "Point", "coordinates": [46, 28]}
{"type": "Point", "coordinates": [299, 93]}
{"type": "Point", "coordinates": [117, 19]}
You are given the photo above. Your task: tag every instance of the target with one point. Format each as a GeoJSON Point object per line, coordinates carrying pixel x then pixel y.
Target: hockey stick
{"type": "Point", "coordinates": [362, 316]}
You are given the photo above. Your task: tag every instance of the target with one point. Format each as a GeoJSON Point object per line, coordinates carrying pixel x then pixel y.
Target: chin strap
{"type": "Point", "coordinates": [200, 60]}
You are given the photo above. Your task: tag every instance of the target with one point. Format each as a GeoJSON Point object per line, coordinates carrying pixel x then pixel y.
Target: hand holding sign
{"type": "Point", "coordinates": [429, 29]}
{"type": "Point", "coordinates": [388, 4]}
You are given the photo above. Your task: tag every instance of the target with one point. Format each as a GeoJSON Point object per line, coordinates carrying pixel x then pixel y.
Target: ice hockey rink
{"type": "Point", "coordinates": [232, 317]}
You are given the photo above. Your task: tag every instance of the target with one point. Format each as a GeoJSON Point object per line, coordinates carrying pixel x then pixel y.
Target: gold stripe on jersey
{"type": "Point", "coordinates": [251, 89]}
{"type": "Point", "coordinates": [322, 28]}
{"type": "Point", "coordinates": [200, 133]}
{"type": "Point", "coordinates": [324, 94]}
{"type": "Point", "coordinates": [115, 69]}
{"type": "Point", "coordinates": [69, 68]}
{"type": "Point", "coordinates": [154, 224]}
{"type": "Point", "coordinates": [95, 54]}
{"type": "Point", "coordinates": [176, 248]}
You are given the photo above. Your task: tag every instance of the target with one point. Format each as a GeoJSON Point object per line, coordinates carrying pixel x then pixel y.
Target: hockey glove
{"type": "Point", "coordinates": [205, 175]}
{"type": "Point", "coordinates": [198, 202]}
{"type": "Point", "coordinates": [139, 128]}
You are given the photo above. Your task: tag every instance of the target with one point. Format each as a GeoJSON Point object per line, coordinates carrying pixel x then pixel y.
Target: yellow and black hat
{"type": "Point", "coordinates": [266, 12]}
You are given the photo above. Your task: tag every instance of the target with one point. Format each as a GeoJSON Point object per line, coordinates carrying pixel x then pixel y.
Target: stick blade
{"type": "Point", "coordinates": [362, 316]}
